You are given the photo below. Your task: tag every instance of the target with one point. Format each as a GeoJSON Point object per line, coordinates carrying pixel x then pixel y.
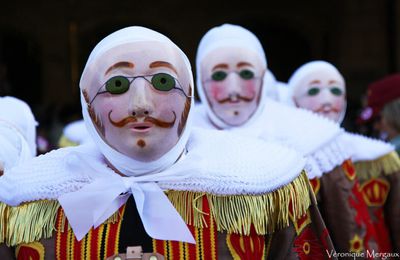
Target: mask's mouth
{"type": "Point", "coordinates": [141, 127]}
{"type": "Point", "coordinates": [235, 98]}
{"type": "Point", "coordinates": [326, 109]}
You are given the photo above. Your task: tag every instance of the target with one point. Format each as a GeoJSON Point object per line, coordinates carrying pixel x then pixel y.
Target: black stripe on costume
{"type": "Point", "coordinates": [132, 232]}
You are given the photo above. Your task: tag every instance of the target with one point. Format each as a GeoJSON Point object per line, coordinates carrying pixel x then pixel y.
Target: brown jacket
{"type": "Point", "coordinates": [344, 210]}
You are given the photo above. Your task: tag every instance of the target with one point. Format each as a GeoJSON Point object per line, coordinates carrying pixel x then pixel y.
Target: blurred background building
{"type": "Point", "coordinates": [44, 44]}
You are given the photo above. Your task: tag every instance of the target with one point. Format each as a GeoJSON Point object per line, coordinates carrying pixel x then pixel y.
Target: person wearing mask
{"type": "Point", "coordinates": [318, 86]}
{"type": "Point", "coordinates": [232, 77]}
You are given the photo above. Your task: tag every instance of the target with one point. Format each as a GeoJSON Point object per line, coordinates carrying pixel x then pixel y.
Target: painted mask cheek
{"type": "Point", "coordinates": [217, 90]}
{"type": "Point", "coordinates": [312, 103]}
{"type": "Point", "coordinates": [338, 104]}
{"type": "Point", "coordinates": [250, 87]}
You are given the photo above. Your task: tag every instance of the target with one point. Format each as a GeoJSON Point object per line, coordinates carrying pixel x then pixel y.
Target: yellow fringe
{"type": "Point", "coordinates": [236, 214]}
{"type": "Point", "coordinates": [33, 221]}
{"type": "Point", "coordinates": [28, 222]}
{"type": "Point", "coordinates": [387, 164]}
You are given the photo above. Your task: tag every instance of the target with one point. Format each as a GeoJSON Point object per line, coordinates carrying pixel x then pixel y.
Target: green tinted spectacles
{"type": "Point", "coordinates": [220, 75]}
{"type": "Point", "coordinates": [336, 91]}
{"type": "Point", "coordinates": [120, 84]}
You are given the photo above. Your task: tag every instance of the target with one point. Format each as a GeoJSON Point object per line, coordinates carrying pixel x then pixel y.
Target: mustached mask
{"type": "Point", "coordinates": [136, 94]}
{"type": "Point", "coordinates": [318, 86]}
{"type": "Point", "coordinates": [230, 65]}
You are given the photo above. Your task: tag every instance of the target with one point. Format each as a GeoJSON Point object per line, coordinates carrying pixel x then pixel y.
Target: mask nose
{"type": "Point", "coordinates": [141, 103]}
{"type": "Point", "coordinates": [141, 112]}
{"type": "Point", "coordinates": [326, 97]}
{"type": "Point", "coordinates": [233, 83]}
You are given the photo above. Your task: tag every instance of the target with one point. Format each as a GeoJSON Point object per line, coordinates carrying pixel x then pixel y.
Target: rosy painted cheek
{"type": "Point", "coordinates": [249, 88]}
{"type": "Point", "coordinates": [309, 103]}
{"type": "Point", "coordinates": [315, 104]}
{"type": "Point", "coordinates": [217, 91]}
{"type": "Point", "coordinates": [338, 104]}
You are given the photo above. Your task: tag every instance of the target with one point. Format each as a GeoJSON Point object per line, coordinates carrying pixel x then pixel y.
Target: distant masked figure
{"type": "Point", "coordinates": [235, 89]}
{"type": "Point", "coordinates": [318, 86]}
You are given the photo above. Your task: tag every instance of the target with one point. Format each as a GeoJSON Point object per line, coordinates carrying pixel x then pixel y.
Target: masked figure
{"type": "Point", "coordinates": [17, 132]}
{"type": "Point", "coordinates": [372, 204]}
{"type": "Point", "coordinates": [148, 179]}
{"type": "Point", "coordinates": [231, 77]}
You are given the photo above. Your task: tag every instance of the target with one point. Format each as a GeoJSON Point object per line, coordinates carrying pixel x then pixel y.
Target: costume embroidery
{"type": "Point", "coordinates": [349, 169]}
{"type": "Point", "coordinates": [375, 192]}
{"type": "Point", "coordinates": [356, 244]}
{"type": "Point", "coordinates": [31, 251]}
{"type": "Point", "coordinates": [362, 217]}
{"type": "Point", "coordinates": [307, 245]}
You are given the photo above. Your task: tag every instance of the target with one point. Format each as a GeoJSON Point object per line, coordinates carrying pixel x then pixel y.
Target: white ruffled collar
{"type": "Point", "coordinates": [213, 156]}
{"type": "Point", "coordinates": [365, 148]}
{"type": "Point", "coordinates": [315, 137]}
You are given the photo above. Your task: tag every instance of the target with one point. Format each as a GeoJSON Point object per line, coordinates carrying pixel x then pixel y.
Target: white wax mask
{"type": "Point", "coordinates": [321, 89]}
{"type": "Point", "coordinates": [140, 99]}
{"type": "Point", "coordinates": [232, 82]}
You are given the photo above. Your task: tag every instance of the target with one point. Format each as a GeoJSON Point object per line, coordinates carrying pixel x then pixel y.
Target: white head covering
{"type": "Point", "coordinates": [17, 132]}
{"type": "Point", "coordinates": [275, 89]}
{"type": "Point", "coordinates": [269, 84]}
{"type": "Point", "coordinates": [307, 69]}
{"type": "Point", "coordinates": [227, 35]}
{"type": "Point", "coordinates": [76, 132]}
{"type": "Point", "coordinates": [123, 163]}
{"type": "Point", "coordinates": [283, 91]}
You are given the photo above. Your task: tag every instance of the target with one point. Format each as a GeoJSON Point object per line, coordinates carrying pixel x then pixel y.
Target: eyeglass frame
{"type": "Point", "coordinates": [132, 79]}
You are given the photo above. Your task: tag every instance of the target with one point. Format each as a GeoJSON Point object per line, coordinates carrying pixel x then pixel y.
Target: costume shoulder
{"type": "Point", "coordinates": [319, 139]}
{"type": "Point", "coordinates": [32, 221]}
{"type": "Point", "coordinates": [246, 181]}
{"type": "Point", "coordinates": [46, 176]}
{"type": "Point", "coordinates": [372, 157]}
{"type": "Point", "coordinates": [28, 222]}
